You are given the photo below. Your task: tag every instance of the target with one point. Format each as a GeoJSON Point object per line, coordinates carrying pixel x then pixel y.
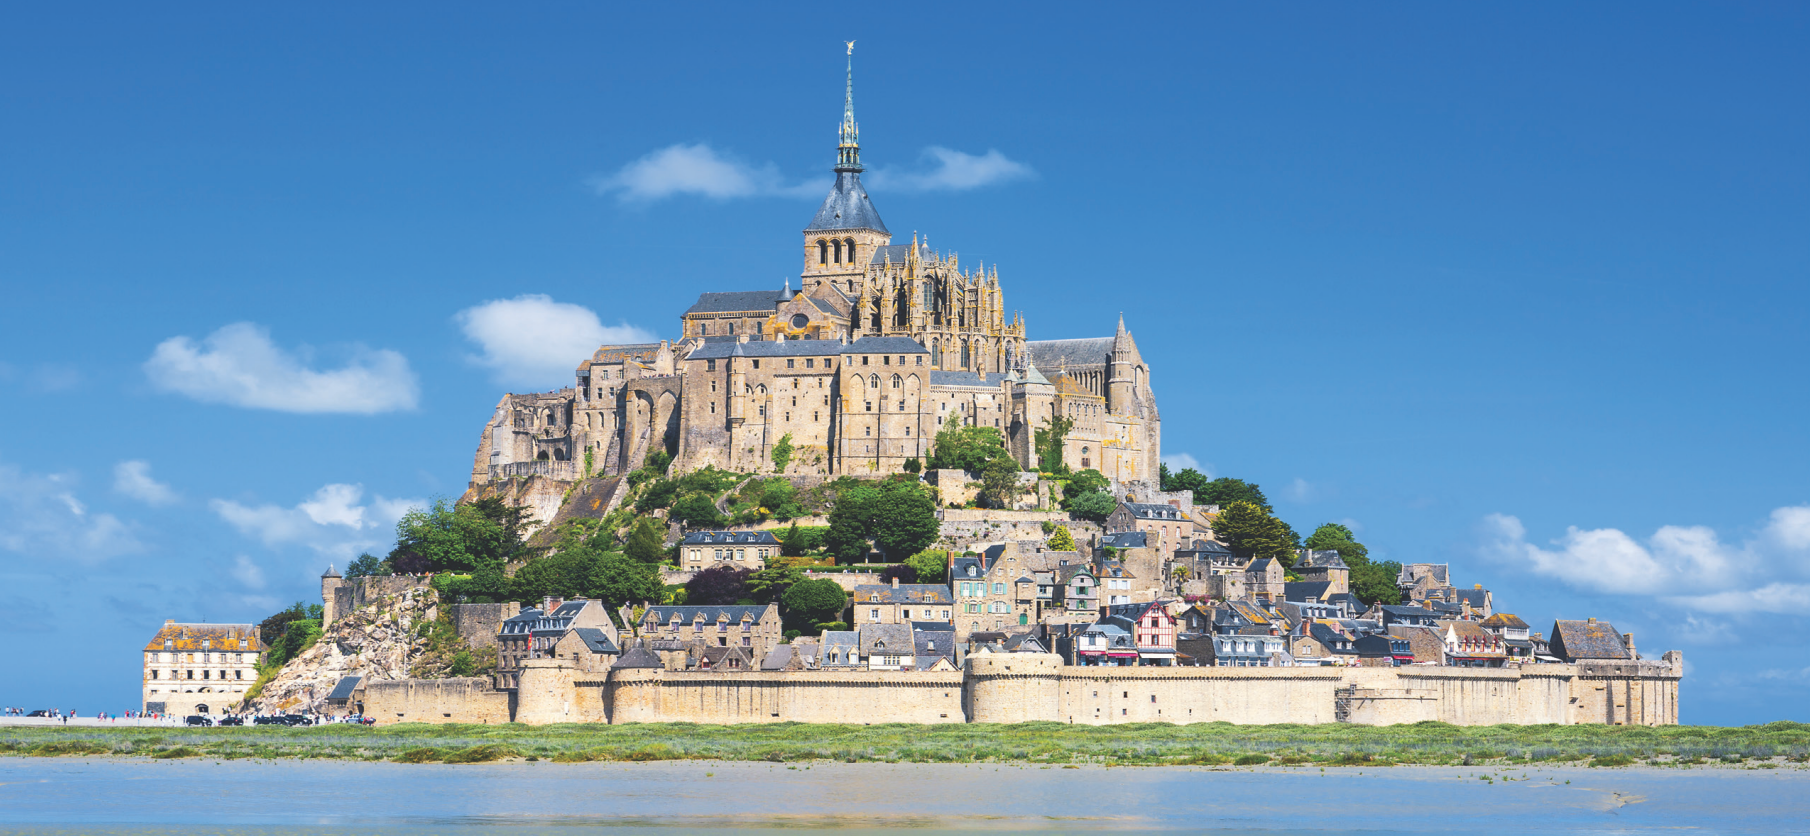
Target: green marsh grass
{"type": "Point", "coordinates": [1152, 744]}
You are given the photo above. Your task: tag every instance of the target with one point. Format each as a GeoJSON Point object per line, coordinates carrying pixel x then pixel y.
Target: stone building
{"type": "Point", "coordinates": [734, 549]}
{"type": "Point", "coordinates": [899, 603]}
{"type": "Point", "coordinates": [695, 628]}
{"type": "Point", "coordinates": [855, 370]}
{"type": "Point", "coordinates": [199, 668]}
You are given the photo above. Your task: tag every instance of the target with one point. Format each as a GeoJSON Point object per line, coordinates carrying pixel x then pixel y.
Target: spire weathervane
{"type": "Point", "coordinates": [848, 150]}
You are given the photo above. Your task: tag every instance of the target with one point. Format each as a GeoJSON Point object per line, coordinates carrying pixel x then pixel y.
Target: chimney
{"type": "Point", "coordinates": [550, 603]}
{"type": "Point", "coordinates": [1629, 638]}
{"type": "Point", "coordinates": [1477, 586]}
{"type": "Point", "coordinates": [895, 581]}
{"type": "Point", "coordinates": [1590, 620]}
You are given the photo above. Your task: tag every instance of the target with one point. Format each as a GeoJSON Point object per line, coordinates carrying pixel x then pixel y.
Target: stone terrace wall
{"type": "Point", "coordinates": [478, 624]}
{"type": "Point", "coordinates": [961, 534]}
{"type": "Point", "coordinates": [464, 700]}
{"type": "Point", "coordinates": [793, 696]}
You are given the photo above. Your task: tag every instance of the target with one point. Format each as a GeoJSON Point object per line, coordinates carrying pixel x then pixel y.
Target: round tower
{"type": "Point", "coordinates": [1013, 687]}
{"type": "Point", "coordinates": [331, 583]}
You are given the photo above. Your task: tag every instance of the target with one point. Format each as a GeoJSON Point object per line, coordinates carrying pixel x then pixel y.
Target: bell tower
{"type": "Point", "coordinates": [841, 240]}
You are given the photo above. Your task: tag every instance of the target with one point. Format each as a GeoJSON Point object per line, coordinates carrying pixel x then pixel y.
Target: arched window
{"type": "Point", "coordinates": [823, 252]}
{"type": "Point", "coordinates": [966, 358]}
{"type": "Point", "coordinates": [850, 244]}
{"type": "Point", "coordinates": [836, 247]}
{"type": "Point", "coordinates": [873, 382]}
{"type": "Point", "coordinates": [936, 353]}
{"type": "Point", "coordinates": [896, 382]}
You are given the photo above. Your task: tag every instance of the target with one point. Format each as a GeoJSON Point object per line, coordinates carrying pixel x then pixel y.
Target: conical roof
{"type": "Point", "coordinates": [847, 207]}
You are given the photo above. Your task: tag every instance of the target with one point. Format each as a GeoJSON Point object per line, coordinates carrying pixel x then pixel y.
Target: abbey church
{"type": "Point", "coordinates": [856, 369]}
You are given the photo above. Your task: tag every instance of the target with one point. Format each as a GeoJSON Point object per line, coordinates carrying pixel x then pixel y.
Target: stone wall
{"type": "Point", "coordinates": [1024, 687]}
{"type": "Point", "coordinates": [464, 700]}
{"type": "Point", "coordinates": [478, 624]}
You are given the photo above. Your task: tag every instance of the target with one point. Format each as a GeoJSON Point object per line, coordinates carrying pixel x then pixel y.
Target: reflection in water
{"type": "Point", "coordinates": [58, 796]}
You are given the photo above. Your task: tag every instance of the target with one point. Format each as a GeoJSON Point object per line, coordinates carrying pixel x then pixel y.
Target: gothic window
{"type": "Point", "coordinates": [897, 382]}
{"type": "Point", "coordinates": [966, 357]}
{"type": "Point", "coordinates": [936, 353]}
{"type": "Point", "coordinates": [800, 320]}
{"type": "Point", "coordinates": [836, 251]}
{"type": "Point", "coordinates": [703, 329]}
{"type": "Point", "coordinates": [873, 382]}
{"type": "Point", "coordinates": [850, 244]}
{"type": "Point", "coordinates": [823, 252]}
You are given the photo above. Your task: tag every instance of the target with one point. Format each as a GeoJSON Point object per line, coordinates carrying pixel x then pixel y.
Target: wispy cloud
{"type": "Point", "coordinates": [950, 170]}
{"type": "Point", "coordinates": [701, 171]}
{"type": "Point", "coordinates": [239, 365]}
{"type": "Point", "coordinates": [133, 478]}
{"type": "Point", "coordinates": [248, 572]}
{"type": "Point", "coordinates": [1299, 490]}
{"type": "Point", "coordinates": [1686, 565]}
{"type": "Point", "coordinates": [1179, 462]}
{"type": "Point", "coordinates": [534, 341]}
{"type": "Point", "coordinates": [335, 521]}
{"type": "Point", "coordinates": [41, 518]}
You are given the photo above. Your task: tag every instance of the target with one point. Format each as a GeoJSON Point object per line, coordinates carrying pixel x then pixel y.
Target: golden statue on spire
{"type": "Point", "coordinates": [851, 47]}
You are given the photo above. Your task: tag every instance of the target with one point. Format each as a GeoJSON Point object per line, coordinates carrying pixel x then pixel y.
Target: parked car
{"type": "Point", "coordinates": [42, 712]}
{"type": "Point", "coordinates": [262, 720]}
{"type": "Point", "coordinates": [297, 720]}
{"type": "Point", "coordinates": [232, 720]}
{"type": "Point", "coordinates": [198, 720]}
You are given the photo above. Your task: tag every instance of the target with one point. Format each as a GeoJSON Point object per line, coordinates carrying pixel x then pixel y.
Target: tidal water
{"type": "Point", "coordinates": [69, 796]}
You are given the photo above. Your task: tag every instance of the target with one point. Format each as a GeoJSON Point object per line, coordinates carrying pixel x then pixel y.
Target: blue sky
{"type": "Point", "coordinates": [1519, 290]}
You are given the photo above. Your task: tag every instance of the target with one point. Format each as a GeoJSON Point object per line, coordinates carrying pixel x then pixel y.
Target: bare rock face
{"type": "Point", "coordinates": [377, 641]}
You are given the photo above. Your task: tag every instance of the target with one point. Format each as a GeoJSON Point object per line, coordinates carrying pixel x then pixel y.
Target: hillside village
{"type": "Point", "coordinates": [879, 473]}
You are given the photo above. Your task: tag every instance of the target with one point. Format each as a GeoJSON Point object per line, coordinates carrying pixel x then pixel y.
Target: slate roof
{"type": "Point", "coordinates": [840, 643]}
{"type": "Point", "coordinates": [1126, 540]}
{"type": "Point", "coordinates": [738, 538]}
{"type": "Point", "coordinates": [1505, 620]}
{"type": "Point", "coordinates": [887, 639]}
{"type": "Point", "coordinates": [1335, 641]}
{"type": "Point", "coordinates": [1149, 511]}
{"type": "Point", "coordinates": [896, 253]}
{"type": "Point", "coordinates": [885, 345]}
{"type": "Point", "coordinates": [712, 350]}
{"type": "Point", "coordinates": [596, 641]}
{"type": "Point", "coordinates": [943, 378]}
{"type": "Point", "coordinates": [521, 624]}
{"type": "Point", "coordinates": [1413, 572]}
{"type": "Point", "coordinates": [1053, 355]}
{"type": "Point", "coordinates": [938, 643]}
{"type": "Point", "coordinates": [737, 301]}
{"type": "Point", "coordinates": [847, 207]}
{"type": "Point", "coordinates": [778, 658]}
{"type": "Point", "coordinates": [1204, 547]}
{"type": "Point", "coordinates": [1305, 590]}
{"type": "Point", "coordinates": [637, 657]}
{"type": "Point", "coordinates": [1320, 559]}
{"type": "Point", "coordinates": [343, 691]}
{"type": "Point", "coordinates": [716, 658]}
{"type": "Point", "coordinates": [1587, 640]}
{"type": "Point", "coordinates": [730, 612]}
{"type": "Point", "coordinates": [905, 593]}
{"type": "Point", "coordinates": [1477, 598]}
{"type": "Point", "coordinates": [215, 636]}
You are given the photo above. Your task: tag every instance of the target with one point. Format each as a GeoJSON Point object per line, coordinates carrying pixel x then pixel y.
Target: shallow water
{"type": "Point", "coordinates": [66, 796]}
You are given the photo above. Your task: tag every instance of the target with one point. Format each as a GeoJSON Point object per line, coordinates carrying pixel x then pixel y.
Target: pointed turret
{"type": "Point", "coordinates": [847, 231]}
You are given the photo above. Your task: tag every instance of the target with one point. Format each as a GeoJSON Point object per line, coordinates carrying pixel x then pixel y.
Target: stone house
{"type": "Point", "coordinates": [1102, 644]}
{"type": "Point", "coordinates": [199, 668]}
{"type": "Point", "coordinates": [1425, 645]}
{"type": "Point", "coordinates": [1477, 601]}
{"type": "Point", "coordinates": [1573, 641]}
{"type": "Point", "coordinates": [701, 550]}
{"type": "Point", "coordinates": [1408, 616]}
{"type": "Point", "coordinates": [1324, 566]}
{"type": "Point", "coordinates": [1143, 561]}
{"type": "Point", "coordinates": [1168, 527]}
{"type": "Point", "coordinates": [725, 659]}
{"type": "Point", "coordinates": [1117, 586]}
{"type": "Point", "coordinates": [934, 647]}
{"type": "Point", "coordinates": [993, 590]}
{"type": "Point", "coordinates": [514, 642]}
{"type": "Point", "coordinates": [900, 603]}
{"type": "Point", "coordinates": [558, 616]}
{"type": "Point", "coordinates": [841, 651]}
{"type": "Point", "coordinates": [1380, 650]}
{"type": "Point", "coordinates": [1264, 579]}
{"type": "Point", "coordinates": [1077, 589]}
{"type": "Point", "coordinates": [1419, 582]}
{"type": "Point", "coordinates": [1517, 637]}
{"type": "Point", "coordinates": [1249, 650]}
{"type": "Point", "coordinates": [755, 627]}
{"type": "Point", "coordinates": [589, 648]}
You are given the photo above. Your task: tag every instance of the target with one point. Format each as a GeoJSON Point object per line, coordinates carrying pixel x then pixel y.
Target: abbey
{"type": "Point", "coordinates": [856, 370]}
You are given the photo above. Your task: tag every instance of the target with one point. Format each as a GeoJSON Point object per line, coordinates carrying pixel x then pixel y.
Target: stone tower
{"type": "Point", "coordinates": [331, 582]}
{"type": "Point", "coordinates": [847, 230]}
{"type": "Point", "coordinates": [1121, 380]}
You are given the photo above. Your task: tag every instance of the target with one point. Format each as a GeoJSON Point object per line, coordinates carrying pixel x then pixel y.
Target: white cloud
{"type": "Point", "coordinates": [534, 341]}
{"type": "Point", "coordinates": [335, 521]}
{"type": "Point", "coordinates": [1300, 490]}
{"type": "Point", "coordinates": [952, 171]}
{"type": "Point", "coordinates": [248, 572]}
{"type": "Point", "coordinates": [1687, 565]}
{"type": "Point", "coordinates": [240, 366]}
{"type": "Point", "coordinates": [700, 170]}
{"type": "Point", "coordinates": [133, 478]}
{"type": "Point", "coordinates": [41, 518]}
{"type": "Point", "coordinates": [1179, 462]}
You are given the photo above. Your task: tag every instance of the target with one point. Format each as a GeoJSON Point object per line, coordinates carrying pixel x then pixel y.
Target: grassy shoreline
{"type": "Point", "coordinates": [1147, 744]}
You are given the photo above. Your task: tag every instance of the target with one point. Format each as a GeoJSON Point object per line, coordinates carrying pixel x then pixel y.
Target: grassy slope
{"type": "Point", "coordinates": [1137, 744]}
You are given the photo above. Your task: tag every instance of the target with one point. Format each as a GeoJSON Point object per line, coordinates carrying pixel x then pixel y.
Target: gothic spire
{"type": "Point", "coordinates": [848, 150]}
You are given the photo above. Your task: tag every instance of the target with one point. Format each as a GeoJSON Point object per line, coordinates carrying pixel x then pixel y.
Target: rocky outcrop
{"type": "Point", "coordinates": [381, 640]}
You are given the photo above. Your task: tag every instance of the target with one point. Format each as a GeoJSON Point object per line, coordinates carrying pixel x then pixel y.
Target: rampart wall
{"type": "Point", "coordinates": [1023, 687]}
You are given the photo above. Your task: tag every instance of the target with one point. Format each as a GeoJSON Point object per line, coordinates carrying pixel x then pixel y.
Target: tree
{"type": "Point", "coordinates": [564, 575]}
{"type": "Point", "coordinates": [447, 537]}
{"type": "Point", "coordinates": [782, 453]}
{"type": "Point", "coordinates": [1189, 479]}
{"type": "Point", "coordinates": [999, 483]}
{"type": "Point", "coordinates": [898, 517]}
{"type": "Point", "coordinates": [658, 495]}
{"type": "Point", "coordinates": [271, 629]}
{"type": "Point", "coordinates": [1093, 506]}
{"type": "Point", "coordinates": [929, 566]}
{"type": "Point", "coordinates": [1338, 538]}
{"type": "Point", "coordinates": [717, 585]}
{"type": "Point", "coordinates": [912, 465]}
{"type": "Point", "coordinates": [696, 510]}
{"type": "Point", "coordinates": [367, 565]}
{"type": "Point", "coordinates": [1062, 540]}
{"type": "Point", "coordinates": [780, 497]}
{"type": "Point", "coordinates": [1086, 482]}
{"type": "Point", "coordinates": [966, 448]}
{"type": "Point", "coordinates": [646, 543]}
{"type": "Point", "coordinates": [1251, 531]}
{"type": "Point", "coordinates": [770, 584]}
{"type": "Point", "coordinates": [1225, 491]}
{"type": "Point", "coordinates": [814, 602]}
{"type": "Point", "coordinates": [904, 573]}
{"type": "Point", "coordinates": [1049, 442]}
{"type": "Point", "coordinates": [617, 580]}
{"type": "Point", "coordinates": [1374, 583]}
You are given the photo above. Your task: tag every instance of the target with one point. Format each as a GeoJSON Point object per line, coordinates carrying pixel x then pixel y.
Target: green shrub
{"type": "Point", "coordinates": [420, 755]}
{"type": "Point", "coordinates": [481, 753]}
{"type": "Point", "coordinates": [1251, 760]}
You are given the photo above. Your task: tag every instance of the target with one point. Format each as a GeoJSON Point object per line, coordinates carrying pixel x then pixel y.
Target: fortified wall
{"type": "Point", "coordinates": [1024, 687]}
